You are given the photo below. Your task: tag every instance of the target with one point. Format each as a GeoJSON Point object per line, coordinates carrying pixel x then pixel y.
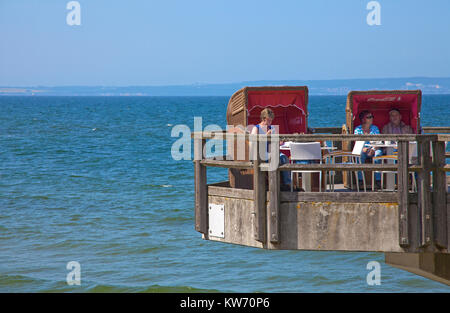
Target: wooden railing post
{"type": "Point", "coordinates": [274, 193]}
{"type": "Point", "coordinates": [403, 191]}
{"type": "Point", "coordinates": [201, 188]}
{"type": "Point", "coordinates": [259, 194]}
{"type": "Point", "coordinates": [440, 217]}
{"type": "Point", "coordinates": [424, 192]}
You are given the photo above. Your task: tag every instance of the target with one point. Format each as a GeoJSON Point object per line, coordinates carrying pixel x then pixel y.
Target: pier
{"type": "Point", "coordinates": [410, 225]}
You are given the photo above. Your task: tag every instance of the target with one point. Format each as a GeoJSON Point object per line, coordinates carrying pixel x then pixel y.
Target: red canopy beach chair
{"type": "Point", "coordinates": [289, 105]}
{"type": "Point", "coordinates": [380, 102]}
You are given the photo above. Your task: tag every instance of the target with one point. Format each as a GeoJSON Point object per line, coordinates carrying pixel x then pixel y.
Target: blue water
{"type": "Point", "coordinates": [92, 180]}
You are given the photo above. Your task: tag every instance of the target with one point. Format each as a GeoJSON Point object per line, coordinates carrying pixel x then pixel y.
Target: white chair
{"type": "Point", "coordinates": [384, 159]}
{"type": "Point", "coordinates": [353, 158]}
{"type": "Point", "coordinates": [412, 153]}
{"type": "Point", "coordinates": [413, 159]}
{"type": "Point", "coordinates": [306, 151]}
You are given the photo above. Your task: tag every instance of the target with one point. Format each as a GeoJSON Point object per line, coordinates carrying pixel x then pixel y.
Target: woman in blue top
{"type": "Point", "coordinates": [367, 128]}
{"type": "Point", "coordinates": [265, 127]}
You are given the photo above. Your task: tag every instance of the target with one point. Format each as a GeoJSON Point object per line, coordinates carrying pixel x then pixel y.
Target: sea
{"type": "Point", "coordinates": [92, 200]}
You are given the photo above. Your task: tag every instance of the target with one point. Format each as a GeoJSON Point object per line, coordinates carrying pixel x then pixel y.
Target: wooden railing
{"type": "Point", "coordinates": [426, 223]}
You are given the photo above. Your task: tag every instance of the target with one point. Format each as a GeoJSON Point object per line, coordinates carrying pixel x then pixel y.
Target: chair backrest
{"type": "Point", "coordinates": [301, 151]}
{"type": "Point", "coordinates": [412, 150]}
{"type": "Point", "coordinates": [357, 149]}
{"type": "Point", "coordinates": [328, 148]}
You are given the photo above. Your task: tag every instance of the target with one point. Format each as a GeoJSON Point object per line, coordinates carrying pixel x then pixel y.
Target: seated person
{"type": "Point", "coordinates": [396, 125]}
{"type": "Point", "coordinates": [265, 127]}
{"type": "Point", "coordinates": [367, 128]}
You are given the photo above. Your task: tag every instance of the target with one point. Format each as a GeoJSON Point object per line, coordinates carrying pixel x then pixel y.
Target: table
{"type": "Point", "coordinates": [323, 148]}
{"type": "Point", "coordinates": [310, 181]}
{"type": "Point", "coordinates": [390, 176]}
{"type": "Point", "coordinates": [288, 149]}
{"type": "Point", "coordinates": [382, 144]}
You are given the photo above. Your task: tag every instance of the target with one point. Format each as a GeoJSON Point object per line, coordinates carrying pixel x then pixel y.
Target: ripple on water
{"type": "Point", "coordinates": [92, 179]}
{"type": "Point", "coordinates": [149, 289]}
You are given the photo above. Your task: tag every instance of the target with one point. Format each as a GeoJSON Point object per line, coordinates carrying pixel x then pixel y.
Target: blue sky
{"type": "Point", "coordinates": [147, 42]}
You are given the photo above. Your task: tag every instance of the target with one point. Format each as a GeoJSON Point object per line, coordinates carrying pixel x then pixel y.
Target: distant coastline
{"type": "Point", "coordinates": [428, 85]}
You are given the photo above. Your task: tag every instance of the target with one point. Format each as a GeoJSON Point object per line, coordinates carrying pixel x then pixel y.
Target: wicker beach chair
{"type": "Point", "coordinates": [289, 103]}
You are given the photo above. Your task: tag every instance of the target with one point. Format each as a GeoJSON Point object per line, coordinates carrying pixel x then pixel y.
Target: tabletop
{"type": "Point", "coordinates": [383, 144]}
{"type": "Point", "coordinates": [323, 148]}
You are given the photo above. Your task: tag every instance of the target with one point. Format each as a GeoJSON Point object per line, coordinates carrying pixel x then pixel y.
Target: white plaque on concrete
{"type": "Point", "coordinates": [216, 220]}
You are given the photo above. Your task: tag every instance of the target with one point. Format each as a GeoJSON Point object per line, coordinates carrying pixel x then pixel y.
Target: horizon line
{"type": "Point", "coordinates": [226, 83]}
